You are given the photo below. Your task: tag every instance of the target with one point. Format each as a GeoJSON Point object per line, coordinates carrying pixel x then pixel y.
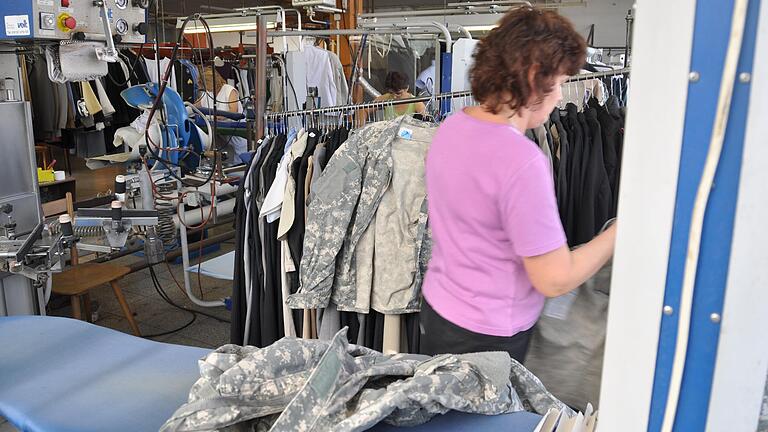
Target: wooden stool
{"type": "Point", "coordinates": [79, 280]}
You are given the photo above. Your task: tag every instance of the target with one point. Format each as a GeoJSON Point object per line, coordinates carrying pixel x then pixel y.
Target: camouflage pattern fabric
{"type": "Point", "coordinates": [344, 201]}
{"type": "Point", "coordinates": [313, 385]}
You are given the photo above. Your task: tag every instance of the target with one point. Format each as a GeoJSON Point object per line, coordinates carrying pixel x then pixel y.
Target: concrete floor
{"type": "Point", "coordinates": [153, 314]}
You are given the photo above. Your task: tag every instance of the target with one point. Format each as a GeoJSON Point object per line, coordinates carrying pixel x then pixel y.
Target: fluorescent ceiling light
{"type": "Point", "coordinates": [221, 28]}
{"type": "Point", "coordinates": [479, 28]}
{"type": "Point", "coordinates": [223, 25]}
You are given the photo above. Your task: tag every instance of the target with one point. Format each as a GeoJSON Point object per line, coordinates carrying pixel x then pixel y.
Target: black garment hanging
{"type": "Point", "coordinates": [239, 298]}
{"type": "Point", "coordinates": [329, 147]}
{"type": "Point", "coordinates": [271, 315]}
{"type": "Point", "coordinates": [561, 155]}
{"type": "Point", "coordinates": [612, 106]}
{"type": "Point", "coordinates": [585, 208]}
{"type": "Point", "coordinates": [186, 80]}
{"type": "Point", "coordinates": [115, 83]}
{"type": "Point", "coordinates": [574, 173]}
{"type": "Point", "coordinates": [350, 320]}
{"type": "Point", "coordinates": [44, 107]}
{"type": "Point", "coordinates": [336, 140]}
{"type": "Point", "coordinates": [597, 184]}
{"type": "Point", "coordinates": [611, 134]}
{"type": "Point", "coordinates": [413, 332]}
{"type": "Point", "coordinates": [296, 232]}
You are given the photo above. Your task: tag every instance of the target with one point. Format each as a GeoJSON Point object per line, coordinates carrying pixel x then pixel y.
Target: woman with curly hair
{"type": "Point", "coordinates": [498, 244]}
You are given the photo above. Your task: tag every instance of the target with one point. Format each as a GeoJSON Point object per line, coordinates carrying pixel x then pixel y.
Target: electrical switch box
{"type": "Point", "coordinates": [31, 20]}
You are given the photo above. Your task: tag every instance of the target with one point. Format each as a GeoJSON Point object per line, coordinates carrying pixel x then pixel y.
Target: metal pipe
{"type": "Point", "coordinates": [463, 30]}
{"type": "Point", "coordinates": [490, 3]}
{"type": "Point", "coordinates": [187, 285]}
{"type": "Point", "coordinates": [298, 15]}
{"type": "Point", "coordinates": [261, 22]}
{"type": "Point", "coordinates": [406, 26]}
{"type": "Point", "coordinates": [350, 32]}
{"type": "Point", "coordinates": [368, 87]}
{"type": "Point", "coordinates": [194, 216]}
{"type": "Point", "coordinates": [483, 8]}
{"type": "Point", "coordinates": [172, 255]}
{"type": "Point", "coordinates": [261, 70]}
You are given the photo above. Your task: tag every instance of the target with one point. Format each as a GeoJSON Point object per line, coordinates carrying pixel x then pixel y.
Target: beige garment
{"type": "Point", "coordinates": [313, 322]}
{"type": "Point", "coordinates": [555, 138]}
{"type": "Point", "coordinates": [392, 328]}
{"type": "Point", "coordinates": [288, 211]}
{"type": "Point", "coordinates": [104, 99]}
{"type": "Point", "coordinates": [91, 101]}
{"type": "Point", "coordinates": [306, 332]}
{"type": "Point", "coordinates": [395, 264]}
{"type": "Point", "coordinates": [289, 327]}
{"type": "Point", "coordinates": [27, 96]}
{"type": "Point", "coordinates": [541, 136]}
{"type": "Point", "coordinates": [575, 92]}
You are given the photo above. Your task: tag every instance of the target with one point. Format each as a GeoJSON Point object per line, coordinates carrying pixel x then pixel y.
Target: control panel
{"type": "Point", "coordinates": [67, 19]}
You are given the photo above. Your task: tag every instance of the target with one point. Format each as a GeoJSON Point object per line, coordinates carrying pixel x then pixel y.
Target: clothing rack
{"type": "Point", "coordinates": [594, 75]}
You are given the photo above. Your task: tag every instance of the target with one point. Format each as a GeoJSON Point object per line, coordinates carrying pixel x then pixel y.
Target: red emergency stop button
{"type": "Point", "coordinates": [70, 23]}
{"type": "Point", "coordinates": [65, 3]}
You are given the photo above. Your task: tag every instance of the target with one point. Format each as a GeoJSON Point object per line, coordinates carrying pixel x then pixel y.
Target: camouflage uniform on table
{"type": "Point", "coordinates": [333, 386]}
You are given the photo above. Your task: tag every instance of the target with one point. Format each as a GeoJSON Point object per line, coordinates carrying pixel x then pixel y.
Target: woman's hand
{"type": "Point", "coordinates": [562, 270]}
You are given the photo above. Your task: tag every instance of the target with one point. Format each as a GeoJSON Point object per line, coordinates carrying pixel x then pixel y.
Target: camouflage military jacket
{"type": "Point", "coordinates": [344, 201]}
{"type": "Point", "coordinates": [312, 385]}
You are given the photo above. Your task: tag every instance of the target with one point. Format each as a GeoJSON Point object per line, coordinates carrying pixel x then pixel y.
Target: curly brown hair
{"type": "Point", "coordinates": [517, 63]}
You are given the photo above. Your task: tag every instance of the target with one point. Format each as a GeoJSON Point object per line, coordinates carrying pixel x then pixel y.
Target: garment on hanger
{"type": "Point", "coordinates": [320, 73]}
{"type": "Point", "coordinates": [44, 108]}
{"type": "Point", "coordinates": [187, 76]}
{"type": "Point", "coordinates": [106, 104]}
{"type": "Point", "coordinates": [597, 183]}
{"type": "Point", "coordinates": [353, 183]}
{"type": "Point", "coordinates": [339, 79]}
{"type": "Point", "coordinates": [117, 81]}
{"type": "Point", "coordinates": [152, 71]}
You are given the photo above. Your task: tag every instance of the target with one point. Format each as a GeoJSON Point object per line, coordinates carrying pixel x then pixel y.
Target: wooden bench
{"type": "Point", "coordinates": [78, 281]}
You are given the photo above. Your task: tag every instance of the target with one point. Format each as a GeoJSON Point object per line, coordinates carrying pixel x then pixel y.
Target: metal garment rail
{"type": "Point", "coordinates": [441, 97]}
{"type": "Point", "coordinates": [367, 105]}
{"type": "Point", "coordinates": [594, 75]}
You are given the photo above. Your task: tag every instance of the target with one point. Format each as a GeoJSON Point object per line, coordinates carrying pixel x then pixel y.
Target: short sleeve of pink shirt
{"type": "Point", "coordinates": [491, 203]}
{"type": "Point", "coordinates": [529, 210]}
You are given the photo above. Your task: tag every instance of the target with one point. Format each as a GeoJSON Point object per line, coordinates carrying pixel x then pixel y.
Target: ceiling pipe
{"type": "Point", "coordinates": [464, 31]}
{"type": "Point", "coordinates": [405, 26]}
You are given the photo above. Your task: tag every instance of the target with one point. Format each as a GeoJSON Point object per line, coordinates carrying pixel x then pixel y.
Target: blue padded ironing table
{"type": "Point", "coordinates": [61, 374]}
{"type": "Point", "coordinates": [64, 375]}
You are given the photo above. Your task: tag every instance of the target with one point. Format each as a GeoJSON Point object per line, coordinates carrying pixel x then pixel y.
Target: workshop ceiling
{"type": "Point", "coordinates": [185, 7]}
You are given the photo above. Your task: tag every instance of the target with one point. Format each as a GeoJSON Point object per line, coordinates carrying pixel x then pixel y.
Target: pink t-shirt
{"type": "Point", "coordinates": [491, 202]}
